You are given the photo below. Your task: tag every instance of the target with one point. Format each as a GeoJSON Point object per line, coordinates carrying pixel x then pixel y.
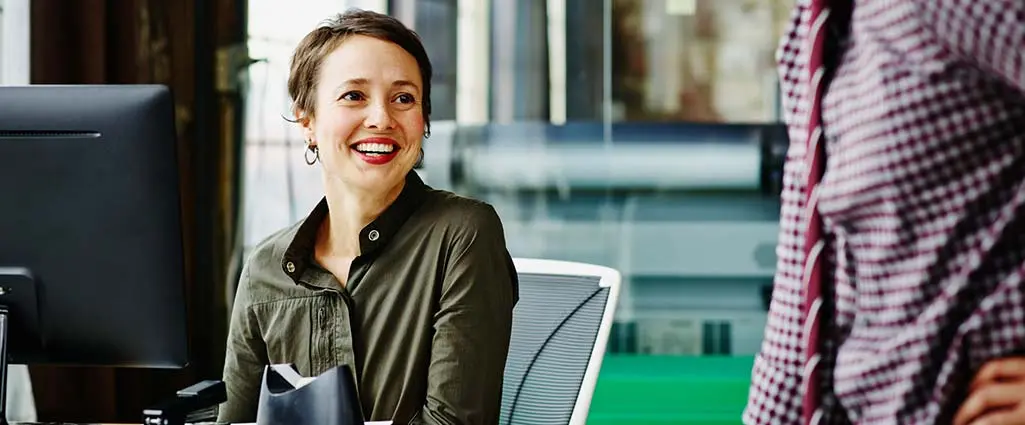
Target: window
{"type": "Point", "coordinates": [14, 42]}
{"type": "Point", "coordinates": [696, 60]}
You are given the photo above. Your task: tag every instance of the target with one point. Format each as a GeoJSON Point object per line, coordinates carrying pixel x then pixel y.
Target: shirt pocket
{"type": "Point", "coordinates": [289, 331]}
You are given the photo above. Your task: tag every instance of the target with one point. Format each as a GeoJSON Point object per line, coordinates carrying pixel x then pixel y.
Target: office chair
{"type": "Point", "coordinates": [561, 326]}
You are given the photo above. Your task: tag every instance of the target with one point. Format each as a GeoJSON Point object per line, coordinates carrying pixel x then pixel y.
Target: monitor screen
{"type": "Point", "coordinates": [91, 251]}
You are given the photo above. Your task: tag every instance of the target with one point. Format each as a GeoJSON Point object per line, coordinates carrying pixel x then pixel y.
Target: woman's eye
{"type": "Point", "coordinates": [405, 98]}
{"type": "Point", "coordinates": [352, 96]}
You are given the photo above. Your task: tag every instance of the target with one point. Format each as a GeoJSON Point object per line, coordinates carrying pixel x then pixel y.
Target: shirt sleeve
{"type": "Point", "coordinates": [472, 327]}
{"type": "Point", "coordinates": [774, 396]}
{"type": "Point", "coordinates": [988, 34]}
{"type": "Point", "coordinates": [246, 356]}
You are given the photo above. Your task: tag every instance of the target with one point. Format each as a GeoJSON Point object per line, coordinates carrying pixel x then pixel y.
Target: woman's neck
{"type": "Point", "coordinates": [349, 212]}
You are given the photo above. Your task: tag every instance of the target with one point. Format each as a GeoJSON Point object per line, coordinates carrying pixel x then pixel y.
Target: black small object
{"type": "Point", "coordinates": [175, 411]}
{"type": "Point", "coordinates": [767, 296]}
{"type": "Point", "coordinates": [329, 399]}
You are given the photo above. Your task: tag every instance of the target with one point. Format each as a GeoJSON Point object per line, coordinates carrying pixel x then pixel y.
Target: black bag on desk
{"type": "Point", "coordinates": [329, 399]}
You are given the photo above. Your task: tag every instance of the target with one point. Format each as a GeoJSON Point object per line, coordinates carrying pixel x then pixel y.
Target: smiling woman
{"type": "Point", "coordinates": [371, 115]}
{"type": "Point", "coordinates": [368, 114]}
{"type": "Point", "coordinates": [368, 122]}
{"type": "Point", "coordinates": [411, 287]}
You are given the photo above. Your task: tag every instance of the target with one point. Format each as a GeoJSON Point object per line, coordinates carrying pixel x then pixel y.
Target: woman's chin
{"type": "Point", "coordinates": [372, 179]}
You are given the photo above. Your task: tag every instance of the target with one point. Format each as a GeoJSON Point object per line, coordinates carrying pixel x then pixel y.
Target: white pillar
{"type": "Point", "coordinates": [473, 59]}
{"type": "Point", "coordinates": [557, 61]}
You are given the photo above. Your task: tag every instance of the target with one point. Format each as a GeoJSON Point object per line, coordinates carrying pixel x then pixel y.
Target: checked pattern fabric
{"type": "Point", "coordinates": [921, 207]}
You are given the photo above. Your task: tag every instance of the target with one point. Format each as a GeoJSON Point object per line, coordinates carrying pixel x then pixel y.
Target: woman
{"type": "Point", "coordinates": [411, 287]}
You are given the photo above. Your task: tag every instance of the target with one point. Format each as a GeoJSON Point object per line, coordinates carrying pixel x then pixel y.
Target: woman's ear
{"type": "Point", "coordinates": [304, 120]}
{"type": "Point", "coordinates": [308, 135]}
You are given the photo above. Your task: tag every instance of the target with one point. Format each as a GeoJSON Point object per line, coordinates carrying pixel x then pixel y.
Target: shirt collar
{"type": "Point", "coordinates": [299, 253]}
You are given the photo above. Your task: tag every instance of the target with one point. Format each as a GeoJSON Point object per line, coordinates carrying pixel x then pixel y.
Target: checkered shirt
{"type": "Point", "coordinates": [923, 203]}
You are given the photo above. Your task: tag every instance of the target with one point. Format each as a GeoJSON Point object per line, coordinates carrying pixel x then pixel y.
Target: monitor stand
{"type": "Point", "coordinates": [5, 318]}
{"type": "Point", "coordinates": [18, 300]}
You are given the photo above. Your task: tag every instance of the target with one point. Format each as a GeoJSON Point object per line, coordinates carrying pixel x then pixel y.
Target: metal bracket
{"type": "Point", "coordinates": [229, 62]}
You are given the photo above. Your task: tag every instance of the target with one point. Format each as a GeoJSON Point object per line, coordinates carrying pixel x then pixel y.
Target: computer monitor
{"type": "Point", "coordinates": [91, 251]}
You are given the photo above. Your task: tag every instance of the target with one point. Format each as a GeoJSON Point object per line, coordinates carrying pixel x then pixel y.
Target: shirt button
{"type": "Point", "coordinates": [290, 266]}
{"type": "Point", "coordinates": [374, 234]}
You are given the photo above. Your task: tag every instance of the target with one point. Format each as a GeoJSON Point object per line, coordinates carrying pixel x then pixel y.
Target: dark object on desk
{"type": "Point", "coordinates": [91, 253]}
{"type": "Point", "coordinates": [330, 399]}
{"type": "Point", "coordinates": [199, 398]}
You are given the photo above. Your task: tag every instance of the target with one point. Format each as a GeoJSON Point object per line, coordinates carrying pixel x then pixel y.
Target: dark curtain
{"type": "Point", "coordinates": [175, 43]}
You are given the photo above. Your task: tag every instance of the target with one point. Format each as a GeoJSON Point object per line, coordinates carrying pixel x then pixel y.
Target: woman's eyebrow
{"type": "Point", "coordinates": [364, 81]}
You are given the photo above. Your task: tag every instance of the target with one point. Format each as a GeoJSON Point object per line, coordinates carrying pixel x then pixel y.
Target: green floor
{"type": "Point", "coordinates": [662, 390]}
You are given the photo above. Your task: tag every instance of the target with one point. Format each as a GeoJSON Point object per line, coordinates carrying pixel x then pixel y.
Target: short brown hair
{"type": "Point", "coordinates": [311, 51]}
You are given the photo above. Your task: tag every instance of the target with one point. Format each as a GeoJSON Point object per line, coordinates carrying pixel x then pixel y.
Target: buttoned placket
{"type": "Point", "coordinates": [332, 339]}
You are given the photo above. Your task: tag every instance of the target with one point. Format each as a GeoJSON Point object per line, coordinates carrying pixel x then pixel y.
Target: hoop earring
{"type": "Point", "coordinates": [316, 153]}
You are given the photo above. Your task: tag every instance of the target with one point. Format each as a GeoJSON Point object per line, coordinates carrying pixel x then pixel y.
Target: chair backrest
{"type": "Point", "coordinates": [561, 326]}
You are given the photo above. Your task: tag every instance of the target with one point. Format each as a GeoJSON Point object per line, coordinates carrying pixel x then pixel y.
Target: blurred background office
{"type": "Point", "coordinates": [643, 135]}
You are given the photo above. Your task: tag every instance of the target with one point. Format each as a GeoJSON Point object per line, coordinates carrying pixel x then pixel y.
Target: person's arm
{"type": "Point", "coordinates": [990, 34]}
{"type": "Point", "coordinates": [472, 326]}
{"type": "Point", "coordinates": [246, 356]}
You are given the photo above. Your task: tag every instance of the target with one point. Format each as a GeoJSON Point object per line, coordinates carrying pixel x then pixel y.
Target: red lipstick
{"type": "Point", "coordinates": [376, 150]}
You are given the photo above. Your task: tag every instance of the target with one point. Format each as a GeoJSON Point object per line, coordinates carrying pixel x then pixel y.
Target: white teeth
{"type": "Point", "coordinates": [375, 147]}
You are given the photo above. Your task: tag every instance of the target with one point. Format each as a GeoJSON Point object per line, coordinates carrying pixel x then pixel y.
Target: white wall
{"type": "Point", "coordinates": [14, 42]}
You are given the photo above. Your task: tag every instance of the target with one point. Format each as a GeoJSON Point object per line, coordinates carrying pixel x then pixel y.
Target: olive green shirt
{"type": "Point", "coordinates": [424, 320]}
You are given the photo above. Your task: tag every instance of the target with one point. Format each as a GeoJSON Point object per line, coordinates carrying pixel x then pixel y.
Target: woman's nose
{"type": "Point", "coordinates": [378, 116]}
